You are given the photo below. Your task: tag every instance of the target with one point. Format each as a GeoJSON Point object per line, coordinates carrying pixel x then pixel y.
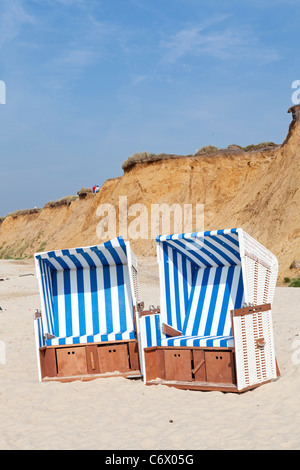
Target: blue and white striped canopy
{"type": "Point", "coordinates": [194, 269]}
{"type": "Point", "coordinates": [206, 249]}
{"type": "Point", "coordinates": [86, 293]}
{"type": "Point", "coordinates": [109, 253]}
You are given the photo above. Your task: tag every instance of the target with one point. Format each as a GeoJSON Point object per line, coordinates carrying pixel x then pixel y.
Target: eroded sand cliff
{"type": "Point", "coordinates": [256, 190]}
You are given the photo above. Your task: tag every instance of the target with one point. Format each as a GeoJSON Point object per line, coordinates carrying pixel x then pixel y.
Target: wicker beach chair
{"type": "Point", "coordinates": [213, 330]}
{"type": "Point", "coordinates": [87, 324]}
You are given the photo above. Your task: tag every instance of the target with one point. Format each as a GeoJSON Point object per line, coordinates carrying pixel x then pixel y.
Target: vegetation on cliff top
{"type": "Point", "coordinates": [141, 157]}
{"type": "Point", "coordinates": [61, 202]}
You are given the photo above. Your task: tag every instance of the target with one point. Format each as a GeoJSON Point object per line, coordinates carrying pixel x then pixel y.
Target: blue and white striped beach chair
{"type": "Point", "coordinates": [87, 324]}
{"type": "Point", "coordinates": [214, 328]}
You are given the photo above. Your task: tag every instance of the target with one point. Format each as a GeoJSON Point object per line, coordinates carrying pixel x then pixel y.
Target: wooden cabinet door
{"type": "Point", "coordinates": [219, 367]}
{"type": "Point", "coordinates": [113, 358]}
{"type": "Point", "coordinates": [71, 361]}
{"type": "Point", "coordinates": [178, 365]}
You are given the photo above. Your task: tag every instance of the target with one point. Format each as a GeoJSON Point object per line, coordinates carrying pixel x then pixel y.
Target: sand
{"type": "Point", "coordinates": [120, 414]}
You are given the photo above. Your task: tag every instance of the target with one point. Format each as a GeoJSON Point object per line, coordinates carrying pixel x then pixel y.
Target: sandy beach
{"type": "Point", "coordinates": [120, 414]}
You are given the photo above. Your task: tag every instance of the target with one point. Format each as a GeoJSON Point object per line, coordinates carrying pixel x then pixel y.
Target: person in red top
{"type": "Point", "coordinates": [94, 188]}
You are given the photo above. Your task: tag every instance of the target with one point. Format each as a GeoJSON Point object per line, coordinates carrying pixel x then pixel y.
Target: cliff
{"type": "Point", "coordinates": [257, 190]}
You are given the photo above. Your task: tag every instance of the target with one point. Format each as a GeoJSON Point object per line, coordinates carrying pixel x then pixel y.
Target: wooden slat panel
{"type": "Point", "coordinates": [248, 310]}
{"type": "Point", "coordinates": [92, 360]}
{"type": "Point", "coordinates": [199, 365]}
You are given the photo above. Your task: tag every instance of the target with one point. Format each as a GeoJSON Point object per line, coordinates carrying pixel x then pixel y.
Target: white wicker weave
{"type": "Point", "coordinates": [133, 267]}
{"type": "Point", "coordinates": [255, 363]}
{"type": "Point", "coordinates": [260, 268]}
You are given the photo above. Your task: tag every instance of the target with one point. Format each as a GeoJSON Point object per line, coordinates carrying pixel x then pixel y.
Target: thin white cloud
{"type": "Point", "coordinates": [12, 17]}
{"type": "Point", "coordinates": [223, 44]}
{"type": "Point", "coordinates": [81, 3]}
{"type": "Point", "coordinates": [138, 79]}
{"type": "Point", "coordinates": [77, 58]}
{"type": "Point", "coordinates": [87, 44]}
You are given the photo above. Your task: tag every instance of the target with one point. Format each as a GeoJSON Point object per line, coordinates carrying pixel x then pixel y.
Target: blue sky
{"type": "Point", "coordinates": [90, 82]}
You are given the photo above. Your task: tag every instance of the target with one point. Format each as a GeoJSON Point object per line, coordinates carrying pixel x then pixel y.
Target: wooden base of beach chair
{"type": "Point", "coordinates": [90, 361]}
{"type": "Point", "coordinates": [192, 368]}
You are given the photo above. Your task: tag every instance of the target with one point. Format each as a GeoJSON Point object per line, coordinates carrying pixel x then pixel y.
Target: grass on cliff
{"type": "Point", "coordinates": [292, 283]}
{"type": "Point", "coordinates": [140, 157]}
{"type": "Point", "coordinates": [137, 158]}
{"type": "Point", "coordinates": [64, 201]}
{"type": "Point", "coordinates": [23, 212]}
{"type": "Point", "coordinates": [260, 146]}
{"type": "Point", "coordinates": [207, 150]}
{"type": "Point", "coordinates": [210, 149]}
{"type": "Point", "coordinates": [295, 282]}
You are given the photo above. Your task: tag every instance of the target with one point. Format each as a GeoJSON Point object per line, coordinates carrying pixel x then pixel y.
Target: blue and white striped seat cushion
{"type": "Point", "coordinates": [153, 336]}
{"type": "Point", "coordinates": [98, 338]}
{"type": "Point", "coordinates": [199, 341]}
